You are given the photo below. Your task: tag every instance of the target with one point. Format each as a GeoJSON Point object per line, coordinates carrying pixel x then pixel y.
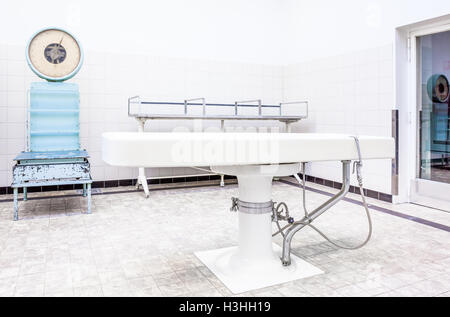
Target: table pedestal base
{"type": "Point", "coordinates": [255, 263]}
{"type": "Point", "coordinates": [226, 265]}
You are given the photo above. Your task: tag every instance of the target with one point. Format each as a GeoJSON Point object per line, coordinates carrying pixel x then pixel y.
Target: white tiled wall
{"type": "Point", "coordinates": [106, 82]}
{"type": "Point", "coordinates": [351, 94]}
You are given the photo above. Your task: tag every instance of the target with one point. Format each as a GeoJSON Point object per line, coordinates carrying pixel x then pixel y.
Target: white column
{"type": "Point", "coordinates": [255, 188]}
{"type": "Point", "coordinates": [255, 230]}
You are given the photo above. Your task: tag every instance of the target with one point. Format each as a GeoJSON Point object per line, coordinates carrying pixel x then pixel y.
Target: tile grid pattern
{"type": "Point", "coordinates": [352, 94]}
{"type": "Point", "coordinates": [131, 246]}
{"type": "Point", "coordinates": [119, 183]}
{"type": "Point", "coordinates": [183, 180]}
{"type": "Point", "coordinates": [358, 100]}
{"type": "Point", "coordinates": [107, 80]}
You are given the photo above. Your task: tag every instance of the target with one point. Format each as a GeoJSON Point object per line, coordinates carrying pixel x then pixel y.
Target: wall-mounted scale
{"type": "Point", "coordinates": [438, 89]}
{"type": "Point", "coordinates": [53, 156]}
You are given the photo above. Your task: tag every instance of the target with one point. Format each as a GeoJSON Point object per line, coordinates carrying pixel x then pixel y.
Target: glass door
{"type": "Point", "coordinates": [433, 70]}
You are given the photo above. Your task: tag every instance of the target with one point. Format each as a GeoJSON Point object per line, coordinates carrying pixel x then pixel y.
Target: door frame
{"type": "Point", "coordinates": [406, 95]}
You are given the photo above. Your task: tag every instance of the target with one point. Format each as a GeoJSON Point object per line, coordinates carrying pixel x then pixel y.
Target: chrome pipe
{"type": "Point", "coordinates": [295, 103]}
{"type": "Point", "coordinates": [154, 116]}
{"type": "Point", "coordinates": [129, 104]}
{"type": "Point", "coordinates": [237, 103]}
{"type": "Point", "coordinates": [187, 101]}
{"type": "Point", "coordinates": [298, 225]}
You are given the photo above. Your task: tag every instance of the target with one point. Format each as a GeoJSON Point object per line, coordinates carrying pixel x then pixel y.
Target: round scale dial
{"type": "Point", "coordinates": [54, 54]}
{"type": "Point", "coordinates": [438, 88]}
{"type": "Point", "coordinates": [441, 89]}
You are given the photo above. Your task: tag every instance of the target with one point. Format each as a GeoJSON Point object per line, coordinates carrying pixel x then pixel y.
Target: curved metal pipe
{"type": "Point", "coordinates": [298, 225]}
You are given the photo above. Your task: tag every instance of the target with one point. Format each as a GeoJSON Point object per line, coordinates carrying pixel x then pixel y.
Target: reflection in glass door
{"type": "Point", "coordinates": [434, 107]}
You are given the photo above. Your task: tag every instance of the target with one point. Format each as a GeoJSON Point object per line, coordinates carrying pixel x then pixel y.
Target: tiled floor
{"type": "Point", "coordinates": [131, 246]}
{"type": "Point", "coordinates": [441, 173]}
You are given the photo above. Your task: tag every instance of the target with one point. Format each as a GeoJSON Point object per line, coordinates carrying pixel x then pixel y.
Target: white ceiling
{"type": "Point", "coordinates": [258, 31]}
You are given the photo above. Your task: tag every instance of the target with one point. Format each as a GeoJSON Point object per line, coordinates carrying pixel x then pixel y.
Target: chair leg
{"type": "Point", "coordinates": [89, 198]}
{"type": "Point", "coordinates": [16, 204]}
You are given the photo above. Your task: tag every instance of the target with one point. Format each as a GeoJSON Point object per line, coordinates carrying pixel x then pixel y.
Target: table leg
{"type": "Point", "coordinates": [142, 179]}
{"type": "Point", "coordinates": [25, 194]}
{"type": "Point", "coordinates": [288, 127]}
{"type": "Point", "coordinates": [254, 263]}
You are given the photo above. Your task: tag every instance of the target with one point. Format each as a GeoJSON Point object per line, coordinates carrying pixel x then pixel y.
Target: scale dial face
{"type": "Point", "coordinates": [54, 55]}
{"type": "Point", "coordinates": [441, 89]}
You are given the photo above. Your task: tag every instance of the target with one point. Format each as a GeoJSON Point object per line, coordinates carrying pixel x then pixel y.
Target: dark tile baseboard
{"type": "Point", "coordinates": [353, 189]}
{"type": "Point", "coordinates": [190, 179]}
{"type": "Point", "coordinates": [117, 183]}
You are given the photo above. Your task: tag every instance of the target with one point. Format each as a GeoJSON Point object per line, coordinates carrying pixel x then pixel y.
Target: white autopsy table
{"type": "Point", "coordinates": [255, 158]}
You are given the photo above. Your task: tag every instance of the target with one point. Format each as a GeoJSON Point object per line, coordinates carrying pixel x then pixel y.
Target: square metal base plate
{"type": "Point", "coordinates": [255, 275]}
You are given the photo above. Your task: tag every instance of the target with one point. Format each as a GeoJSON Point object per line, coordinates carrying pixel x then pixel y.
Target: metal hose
{"type": "Point", "coordinates": [366, 207]}
{"type": "Point", "coordinates": [349, 247]}
{"type": "Point", "coordinates": [357, 167]}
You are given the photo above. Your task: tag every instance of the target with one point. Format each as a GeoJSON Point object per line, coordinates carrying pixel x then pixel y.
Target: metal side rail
{"type": "Point", "coordinates": [141, 111]}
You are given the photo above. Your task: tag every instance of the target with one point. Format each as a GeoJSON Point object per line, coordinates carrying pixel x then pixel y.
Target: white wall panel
{"type": "Point", "coordinates": [338, 55]}
{"type": "Point", "coordinates": [349, 93]}
{"type": "Point", "coordinates": [105, 90]}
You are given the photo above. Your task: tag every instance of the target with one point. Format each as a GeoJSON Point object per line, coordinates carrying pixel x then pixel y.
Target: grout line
{"type": "Point", "coordinates": [432, 208]}
{"type": "Point", "coordinates": [185, 179]}
{"type": "Point", "coordinates": [373, 207]}
{"type": "Point", "coordinates": [118, 192]}
{"type": "Point", "coordinates": [378, 208]}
